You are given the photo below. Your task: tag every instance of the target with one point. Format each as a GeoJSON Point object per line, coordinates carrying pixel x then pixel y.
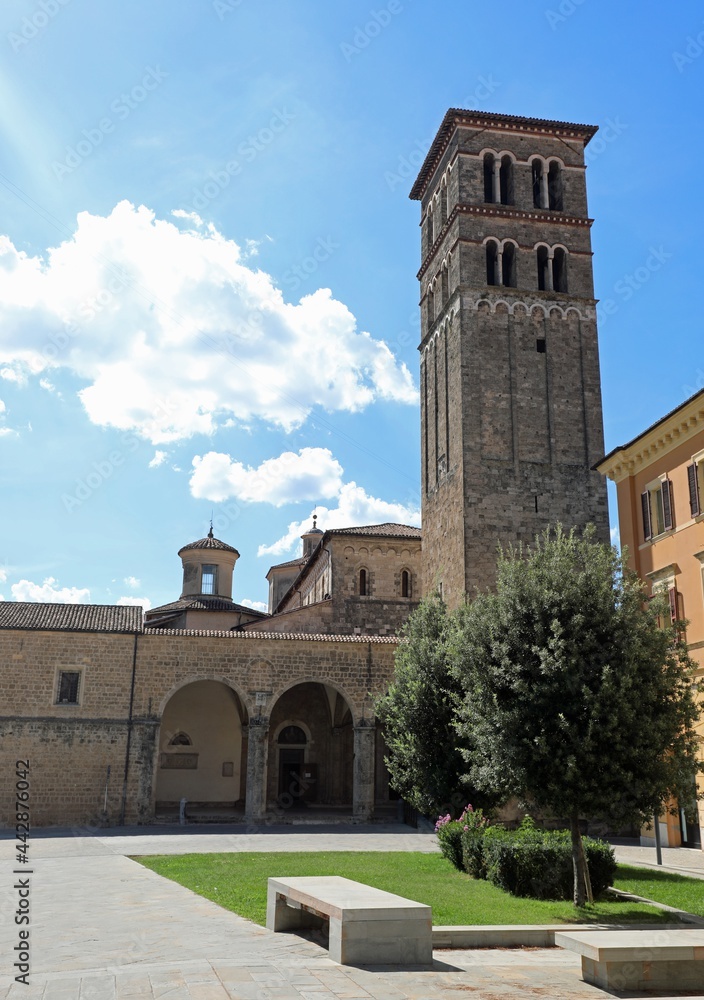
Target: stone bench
{"type": "Point", "coordinates": [367, 926]}
{"type": "Point", "coordinates": [647, 961]}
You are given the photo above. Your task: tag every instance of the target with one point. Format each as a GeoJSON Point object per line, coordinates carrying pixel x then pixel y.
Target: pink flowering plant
{"type": "Point", "coordinates": [452, 833]}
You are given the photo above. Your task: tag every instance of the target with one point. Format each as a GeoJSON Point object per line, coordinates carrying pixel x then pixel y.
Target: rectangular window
{"type": "Point", "coordinates": [658, 509]}
{"type": "Point", "coordinates": [208, 580]}
{"type": "Point", "coordinates": [693, 477]}
{"type": "Point", "coordinates": [69, 682]}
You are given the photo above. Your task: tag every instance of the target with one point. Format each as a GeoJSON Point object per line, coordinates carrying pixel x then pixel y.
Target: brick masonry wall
{"type": "Point", "coordinates": [70, 747]}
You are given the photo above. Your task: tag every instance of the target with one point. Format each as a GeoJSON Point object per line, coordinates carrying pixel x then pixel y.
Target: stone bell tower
{"type": "Point", "coordinates": [509, 376]}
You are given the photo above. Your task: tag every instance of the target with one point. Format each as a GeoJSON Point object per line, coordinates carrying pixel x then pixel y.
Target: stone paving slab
{"type": "Point", "coordinates": [105, 928]}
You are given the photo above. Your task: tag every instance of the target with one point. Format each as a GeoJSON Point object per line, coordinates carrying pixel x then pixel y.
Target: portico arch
{"type": "Point", "coordinates": [201, 746]}
{"type": "Point", "coordinates": [316, 770]}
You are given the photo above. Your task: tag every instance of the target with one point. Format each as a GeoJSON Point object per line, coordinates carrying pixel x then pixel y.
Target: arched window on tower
{"type": "Point", "coordinates": [444, 287]}
{"type": "Point", "coordinates": [443, 204]}
{"type": "Point", "coordinates": [555, 186]}
{"type": "Point", "coordinates": [405, 583]}
{"type": "Point", "coordinates": [493, 276]}
{"type": "Point", "coordinates": [544, 270]}
{"type": "Point", "coordinates": [559, 270]}
{"type": "Point", "coordinates": [363, 583]}
{"type": "Point", "coordinates": [508, 265]}
{"type": "Point", "coordinates": [506, 180]}
{"type": "Point", "coordinates": [431, 307]}
{"type": "Point", "coordinates": [537, 174]}
{"type": "Point", "coordinates": [489, 177]}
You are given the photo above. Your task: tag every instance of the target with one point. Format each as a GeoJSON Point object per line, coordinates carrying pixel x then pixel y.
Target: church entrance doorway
{"type": "Point", "coordinates": [311, 750]}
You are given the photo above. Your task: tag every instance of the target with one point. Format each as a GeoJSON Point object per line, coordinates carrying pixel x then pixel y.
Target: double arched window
{"type": "Point", "coordinates": [501, 263]}
{"type": "Point", "coordinates": [498, 179]}
{"type": "Point", "coordinates": [547, 184]}
{"type": "Point", "coordinates": [552, 268]}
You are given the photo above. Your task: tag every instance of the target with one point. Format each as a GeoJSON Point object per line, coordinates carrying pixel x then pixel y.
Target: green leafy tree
{"type": "Point", "coordinates": [417, 716]}
{"type": "Point", "coordinates": [576, 699]}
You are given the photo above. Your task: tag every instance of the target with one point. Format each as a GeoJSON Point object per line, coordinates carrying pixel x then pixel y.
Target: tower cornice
{"type": "Point", "coordinates": [458, 117]}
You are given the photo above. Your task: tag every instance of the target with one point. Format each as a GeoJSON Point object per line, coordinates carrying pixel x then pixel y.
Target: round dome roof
{"type": "Point", "coordinates": [209, 542]}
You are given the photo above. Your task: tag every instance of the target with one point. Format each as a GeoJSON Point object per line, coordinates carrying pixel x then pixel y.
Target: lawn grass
{"type": "Point", "coordinates": [664, 887]}
{"type": "Point", "coordinates": [239, 881]}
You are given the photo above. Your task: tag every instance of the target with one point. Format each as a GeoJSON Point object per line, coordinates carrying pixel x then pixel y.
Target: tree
{"type": "Point", "coordinates": [417, 716]}
{"type": "Point", "coordinates": [575, 698]}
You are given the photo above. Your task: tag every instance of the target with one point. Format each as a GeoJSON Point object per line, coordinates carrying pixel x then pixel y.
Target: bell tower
{"type": "Point", "coordinates": [511, 420]}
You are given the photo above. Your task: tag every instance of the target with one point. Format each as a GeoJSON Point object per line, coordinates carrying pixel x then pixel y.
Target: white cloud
{"type": "Point", "coordinates": [197, 335]}
{"type": "Point", "coordinates": [3, 575]}
{"type": "Point", "coordinates": [135, 602]}
{"type": "Point", "coordinates": [47, 385]}
{"type": "Point", "coordinates": [159, 459]}
{"type": "Point", "coordinates": [311, 474]}
{"type": "Point", "coordinates": [255, 605]}
{"type": "Point", "coordinates": [355, 507]}
{"type": "Point", "coordinates": [616, 537]}
{"type": "Point", "coordinates": [47, 592]}
{"type": "Point", "coordinates": [132, 582]}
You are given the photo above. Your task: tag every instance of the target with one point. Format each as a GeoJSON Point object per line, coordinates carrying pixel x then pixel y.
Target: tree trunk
{"type": "Point", "coordinates": [578, 862]}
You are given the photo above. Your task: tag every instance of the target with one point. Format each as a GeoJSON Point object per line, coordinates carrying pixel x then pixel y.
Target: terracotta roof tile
{"type": "Point", "coordinates": [70, 617]}
{"type": "Point", "coordinates": [387, 530]}
{"type": "Point", "coordinates": [298, 636]}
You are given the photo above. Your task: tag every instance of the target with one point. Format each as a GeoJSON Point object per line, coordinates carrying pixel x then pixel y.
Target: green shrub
{"type": "Point", "coordinates": [538, 863]}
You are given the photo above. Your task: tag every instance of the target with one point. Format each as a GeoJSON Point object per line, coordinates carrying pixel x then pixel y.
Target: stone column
{"type": "Point", "coordinates": [497, 181]}
{"type": "Point", "coordinates": [544, 193]}
{"type": "Point", "coordinates": [363, 772]}
{"type": "Point", "coordinates": [257, 757]}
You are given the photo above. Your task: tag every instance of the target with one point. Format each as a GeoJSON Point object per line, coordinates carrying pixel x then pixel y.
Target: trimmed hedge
{"type": "Point", "coordinates": [529, 861]}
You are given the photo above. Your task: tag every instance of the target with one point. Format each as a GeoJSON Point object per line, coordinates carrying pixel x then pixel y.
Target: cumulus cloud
{"type": "Point", "coordinates": [354, 508]}
{"type": "Point", "coordinates": [132, 582]}
{"type": "Point", "coordinates": [3, 575]}
{"type": "Point", "coordinates": [616, 537]}
{"type": "Point", "coordinates": [173, 333]}
{"type": "Point", "coordinates": [255, 605]}
{"type": "Point", "coordinates": [48, 592]}
{"type": "Point", "coordinates": [309, 475]}
{"type": "Point", "coordinates": [159, 459]}
{"type": "Point", "coordinates": [135, 602]}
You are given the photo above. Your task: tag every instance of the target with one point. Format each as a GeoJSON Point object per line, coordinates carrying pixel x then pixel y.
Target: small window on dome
{"type": "Point", "coordinates": [208, 580]}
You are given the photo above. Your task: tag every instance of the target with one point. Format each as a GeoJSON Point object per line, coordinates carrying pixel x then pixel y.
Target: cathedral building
{"type": "Point", "coordinates": [244, 714]}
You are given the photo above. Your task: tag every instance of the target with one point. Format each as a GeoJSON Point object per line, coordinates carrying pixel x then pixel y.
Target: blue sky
{"type": "Point", "coordinates": [208, 258]}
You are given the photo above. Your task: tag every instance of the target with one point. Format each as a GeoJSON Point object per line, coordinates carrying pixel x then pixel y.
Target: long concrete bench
{"type": "Point", "coordinates": [367, 926]}
{"type": "Point", "coordinates": [647, 961]}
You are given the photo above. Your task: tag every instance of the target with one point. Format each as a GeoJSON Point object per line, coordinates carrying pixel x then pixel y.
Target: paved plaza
{"type": "Point", "coordinates": [105, 928]}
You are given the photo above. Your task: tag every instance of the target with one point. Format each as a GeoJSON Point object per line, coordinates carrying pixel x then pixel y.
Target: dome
{"type": "Point", "coordinates": [209, 542]}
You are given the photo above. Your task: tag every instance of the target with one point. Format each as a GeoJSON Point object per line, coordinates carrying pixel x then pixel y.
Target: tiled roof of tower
{"type": "Point", "coordinates": [70, 617]}
{"type": "Point", "coordinates": [387, 530]}
{"type": "Point", "coordinates": [208, 543]}
{"type": "Point", "coordinates": [487, 119]}
{"type": "Point", "coordinates": [206, 604]}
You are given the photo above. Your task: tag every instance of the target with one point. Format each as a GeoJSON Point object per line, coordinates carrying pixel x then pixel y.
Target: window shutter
{"type": "Point", "coordinates": [672, 597]}
{"type": "Point", "coordinates": [693, 490]}
{"type": "Point", "coordinates": [667, 505]}
{"type": "Point", "coordinates": [647, 529]}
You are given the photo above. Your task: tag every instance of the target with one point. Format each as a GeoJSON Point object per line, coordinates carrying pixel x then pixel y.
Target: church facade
{"type": "Point", "coordinates": [124, 716]}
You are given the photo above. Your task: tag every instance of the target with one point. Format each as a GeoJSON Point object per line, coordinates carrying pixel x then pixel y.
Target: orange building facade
{"type": "Point", "coordinates": [659, 479]}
